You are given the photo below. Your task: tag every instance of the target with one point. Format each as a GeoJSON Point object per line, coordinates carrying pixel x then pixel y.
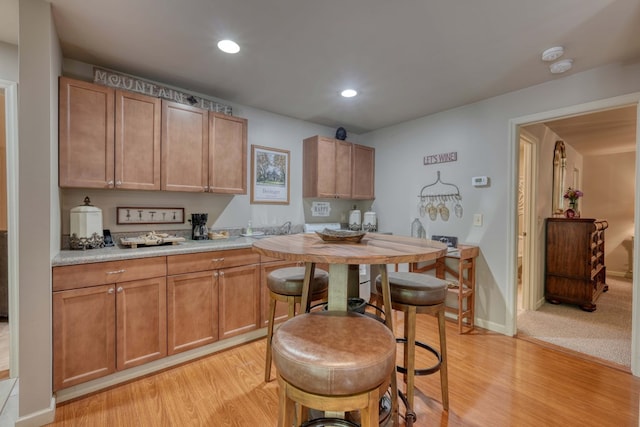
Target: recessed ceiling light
{"type": "Point", "coordinates": [349, 93]}
{"type": "Point", "coordinates": [559, 67]}
{"type": "Point", "coordinates": [552, 53]}
{"type": "Point", "coordinates": [228, 46]}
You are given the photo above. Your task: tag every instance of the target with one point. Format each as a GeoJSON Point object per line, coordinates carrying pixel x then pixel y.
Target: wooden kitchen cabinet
{"type": "Point", "coordinates": [363, 173]}
{"type": "Point", "coordinates": [575, 268]}
{"type": "Point", "coordinates": [86, 134]}
{"type": "Point", "coordinates": [337, 169]}
{"type": "Point", "coordinates": [326, 168]}
{"type": "Point", "coordinates": [137, 141]}
{"type": "Point", "coordinates": [212, 295]}
{"type": "Point", "coordinates": [227, 154]}
{"type": "Point", "coordinates": [108, 322]}
{"type": "Point", "coordinates": [185, 147]}
{"type": "Point", "coordinates": [107, 138]}
{"type": "Point", "coordinates": [203, 151]}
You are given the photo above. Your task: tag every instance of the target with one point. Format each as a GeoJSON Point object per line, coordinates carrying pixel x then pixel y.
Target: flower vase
{"type": "Point", "coordinates": [572, 212]}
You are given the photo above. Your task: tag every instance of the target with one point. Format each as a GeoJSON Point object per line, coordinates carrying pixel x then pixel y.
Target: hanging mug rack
{"type": "Point", "coordinates": [441, 194]}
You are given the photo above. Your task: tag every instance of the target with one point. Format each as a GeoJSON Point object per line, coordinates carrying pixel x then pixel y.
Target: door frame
{"type": "Point", "coordinates": [11, 121]}
{"type": "Point", "coordinates": [514, 146]}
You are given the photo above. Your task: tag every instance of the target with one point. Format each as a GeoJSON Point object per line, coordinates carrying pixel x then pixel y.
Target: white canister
{"type": "Point", "coordinates": [370, 222]}
{"type": "Point", "coordinates": [355, 219]}
{"type": "Point", "coordinates": [86, 221]}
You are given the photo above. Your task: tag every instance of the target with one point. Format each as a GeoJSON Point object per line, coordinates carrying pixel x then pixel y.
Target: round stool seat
{"type": "Point", "coordinates": [334, 353]}
{"type": "Point", "coordinates": [289, 280]}
{"type": "Point", "coordinates": [415, 288]}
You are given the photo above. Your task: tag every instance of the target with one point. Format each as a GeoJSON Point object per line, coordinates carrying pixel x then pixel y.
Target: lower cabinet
{"type": "Point", "coordinates": [114, 315]}
{"type": "Point", "coordinates": [212, 296]}
{"type": "Point", "coordinates": [101, 329]}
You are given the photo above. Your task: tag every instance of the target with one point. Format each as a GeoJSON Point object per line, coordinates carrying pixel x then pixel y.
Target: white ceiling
{"type": "Point", "coordinates": [407, 59]}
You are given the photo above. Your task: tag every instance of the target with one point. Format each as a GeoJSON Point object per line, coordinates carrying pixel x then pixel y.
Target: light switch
{"type": "Point", "coordinates": [477, 220]}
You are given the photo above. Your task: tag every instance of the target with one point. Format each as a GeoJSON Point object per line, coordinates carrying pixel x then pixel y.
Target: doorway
{"type": "Point", "coordinates": [578, 175]}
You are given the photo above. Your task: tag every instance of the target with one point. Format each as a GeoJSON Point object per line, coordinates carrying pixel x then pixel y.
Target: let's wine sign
{"type": "Point", "coordinates": [434, 159]}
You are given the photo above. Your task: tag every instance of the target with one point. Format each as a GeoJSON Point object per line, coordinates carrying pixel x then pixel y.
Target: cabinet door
{"type": "Point", "coordinates": [362, 172]}
{"type": "Point", "coordinates": [227, 154]}
{"type": "Point", "coordinates": [326, 168]}
{"type": "Point", "coordinates": [84, 334]}
{"type": "Point", "coordinates": [85, 134]}
{"type": "Point", "coordinates": [282, 309]}
{"type": "Point", "coordinates": [141, 322]}
{"type": "Point", "coordinates": [343, 169]}
{"type": "Point", "coordinates": [239, 300]}
{"type": "Point", "coordinates": [185, 147]}
{"type": "Point", "coordinates": [137, 141]}
{"type": "Point", "coordinates": [192, 310]}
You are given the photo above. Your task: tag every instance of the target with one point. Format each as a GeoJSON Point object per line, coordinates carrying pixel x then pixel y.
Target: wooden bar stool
{"type": "Point", "coordinates": [285, 285]}
{"type": "Point", "coordinates": [332, 361]}
{"type": "Point", "coordinates": [415, 293]}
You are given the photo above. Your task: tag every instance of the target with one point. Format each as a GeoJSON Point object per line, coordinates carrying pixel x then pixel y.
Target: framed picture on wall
{"type": "Point", "coordinates": [269, 175]}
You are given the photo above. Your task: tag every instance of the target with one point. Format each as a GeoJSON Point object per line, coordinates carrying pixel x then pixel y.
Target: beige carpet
{"type": "Point", "coordinates": [604, 333]}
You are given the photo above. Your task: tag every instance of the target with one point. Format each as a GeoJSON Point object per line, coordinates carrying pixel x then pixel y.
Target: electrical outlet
{"type": "Point", "coordinates": [477, 220]}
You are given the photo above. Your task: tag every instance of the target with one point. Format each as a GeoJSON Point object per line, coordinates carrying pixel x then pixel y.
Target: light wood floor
{"type": "Point", "coordinates": [494, 380]}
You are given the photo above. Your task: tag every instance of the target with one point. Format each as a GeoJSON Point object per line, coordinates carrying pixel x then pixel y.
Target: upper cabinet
{"type": "Point", "coordinates": [363, 172]}
{"type": "Point", "coordinates": [119, 139]}
{"type": "Point", "coordinates": [86, 142]}
{"type": "Point", "coordinates": [337, 169]}
{"type": "Point", "coordinates": [227, 154]}
{"type": "Point", "coordinates": [185, 147]}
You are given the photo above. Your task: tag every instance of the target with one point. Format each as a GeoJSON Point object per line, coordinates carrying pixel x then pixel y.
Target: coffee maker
{"type": "Point", "coordinates": [199, 226]}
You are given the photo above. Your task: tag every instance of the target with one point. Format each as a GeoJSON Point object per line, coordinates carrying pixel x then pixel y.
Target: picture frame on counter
{"type": "Point", "coordinates": [269, 175]}
{"type": "Point", "coordinates": [140, 215]}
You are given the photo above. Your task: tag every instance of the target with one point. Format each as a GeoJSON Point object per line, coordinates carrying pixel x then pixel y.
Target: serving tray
{"type": "Point", "coordinates": [151, 240]}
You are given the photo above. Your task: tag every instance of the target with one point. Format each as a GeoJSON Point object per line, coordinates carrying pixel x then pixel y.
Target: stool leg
{"type": "Point", "coordinates": [369, 416]}
{"type": "Point", "coordinates": [444, 376]}
{"type": "Point", "coordinates": [286, 413]}
{"type": "Point", "coordinates": [272, 316]}
{"type": "Point", "coordinates": [292, 306]}
{"type": "Point", "coordinates": [410, 352]}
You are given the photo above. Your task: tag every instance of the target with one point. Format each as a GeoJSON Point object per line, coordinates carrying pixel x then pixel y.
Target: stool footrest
{"type": "Point", "coordinates": [425, 371]}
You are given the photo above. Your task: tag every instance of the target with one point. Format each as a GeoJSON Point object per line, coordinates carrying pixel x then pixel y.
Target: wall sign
{"type": "Point", "coordinates": [133, 215]}
{"type": "Point", "coordinates": [134, 84]}
{"type": "Point", "coordinates": [434, 159]}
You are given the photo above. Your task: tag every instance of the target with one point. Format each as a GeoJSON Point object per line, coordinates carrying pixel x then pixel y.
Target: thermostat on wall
{"type": "Point", "coordinates": [479, 181]}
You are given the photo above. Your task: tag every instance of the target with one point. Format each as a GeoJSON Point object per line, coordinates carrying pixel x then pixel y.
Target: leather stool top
{"type": "Point", "coordinates": [415, 288]}
{"type": "Point", "coordinates": [288, 281]}
{"type": "Point", "coordinates": [334, 353]}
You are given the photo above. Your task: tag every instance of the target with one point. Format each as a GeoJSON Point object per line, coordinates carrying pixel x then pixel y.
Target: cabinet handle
{"type": "Point", "coordinates": [118, 183]}
{"type": "Point", "coordinates": [215, 274]}
{"type": "Point", "coordinates": [206, 188]}
{"type": "Point", "coordinates": [110, 291]}
{"type": "Point", "coordinates": [116, 271]}
{"type": "Point", "coordinates": [217, 259]}
{"type": "Point", "coordinates": [110, 183]}
{"type": "Point", "coordinates": [222, 273]}
{"type": "Point", "coordinates": [120, 289]}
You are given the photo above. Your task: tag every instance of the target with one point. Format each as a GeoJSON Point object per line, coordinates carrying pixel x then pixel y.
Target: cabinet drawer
{"type": "Point", "coordinates": [102, 273]}
{"type": "Point", "coordinates": [188, 263]}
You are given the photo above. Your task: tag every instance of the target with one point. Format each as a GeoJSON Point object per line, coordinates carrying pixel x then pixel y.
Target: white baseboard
{"type": "Point", "coordinates": [40, 418]}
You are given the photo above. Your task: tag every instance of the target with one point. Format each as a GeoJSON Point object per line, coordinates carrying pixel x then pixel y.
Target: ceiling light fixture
{"type": "Point", "coordinates": [560, 67]}
{"type": "Point", "coordinates": [552, 53]}
{"type": "Point", "coordinates": [349, 93]}
{"type": "Point", "coordinates": [228, 46]}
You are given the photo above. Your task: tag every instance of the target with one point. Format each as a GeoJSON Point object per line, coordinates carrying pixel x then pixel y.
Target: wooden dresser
{"type": "Point", "coordinates": [575, 272]}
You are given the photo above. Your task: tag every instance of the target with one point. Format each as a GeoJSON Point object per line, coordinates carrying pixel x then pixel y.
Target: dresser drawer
{"type": "Point", "coordinates": [103, 273]}
{"type": "Point", "coordinates": [188, 263]}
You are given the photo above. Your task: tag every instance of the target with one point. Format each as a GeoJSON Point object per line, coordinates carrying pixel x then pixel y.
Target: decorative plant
{"type": "Point", "coordinates": [573, 195]}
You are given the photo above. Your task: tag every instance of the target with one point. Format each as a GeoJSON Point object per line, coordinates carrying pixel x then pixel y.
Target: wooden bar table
{"type": "Point", "coordinates": [376, 249]}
